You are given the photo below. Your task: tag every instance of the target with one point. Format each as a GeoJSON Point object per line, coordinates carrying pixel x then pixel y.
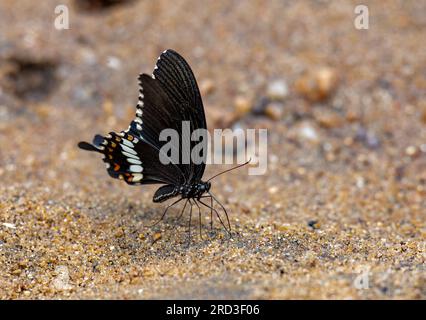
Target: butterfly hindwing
{"type": "Point", "coordinates": [129, 158]}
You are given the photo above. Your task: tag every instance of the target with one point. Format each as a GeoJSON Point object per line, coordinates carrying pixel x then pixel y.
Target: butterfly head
{"type": "Point", "coordinates": [203, 187]}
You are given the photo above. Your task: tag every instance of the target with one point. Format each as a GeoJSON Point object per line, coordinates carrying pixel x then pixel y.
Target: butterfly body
{"type": "Point", "coordinates": [186, 191]}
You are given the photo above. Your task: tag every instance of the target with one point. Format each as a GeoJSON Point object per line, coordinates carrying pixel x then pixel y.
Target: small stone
{"type": "Point", "coordinates": [61, 282]}
{"type": "Point", "coordinates": [277, 90]}
{"type": "Point", "coordinates": [119, 233]}
{"type": "Point", "coordinates": [141, 236]}
{"type": "Point", "coordinates": [308, 132]}
{"type": "Point", "coordinates": [156, 236]}
{"type": "Point", "coordinates": [411, 151]}
{"type": "Point", "coordinates": [360, 182]}
{"type": "Point", "coordinates": [113, 62]}
{"type": "Point", "coordinates": [313, 224]}
{"type": "Point", "coordinates": [329, 120]}
{"type": "Point", "coordinates": [368, 138]}
{"type": "Point", "coordinates": [207, 87]}
{"type": "Point", "coordinates": [260, 106]}
{"type": "Point", "coordinates": [274, 111]}
{"type": "Point", "coordinates": [242, 106]}
{"type": "Point", "coordinates": [273, 190]}
{"type": "Point", "coordinates": [352, 116]}
{"type": "Point", "coordinates": [9, 225]}
{"type": "Point", "coordinates": [317, 85]}
{"type": "Point", "coordinates": [108, 107]}
{"type": "Point", "coordinates": [17, 272]}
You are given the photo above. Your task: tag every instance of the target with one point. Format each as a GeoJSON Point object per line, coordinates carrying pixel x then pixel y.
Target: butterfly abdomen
{"type": "Point", "coordinates": [165, 192]}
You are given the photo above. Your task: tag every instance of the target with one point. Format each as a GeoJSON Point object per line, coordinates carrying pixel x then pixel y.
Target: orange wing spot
{"type": "Point", "coordinates": [116, 167]}
{"type": "Point", "coordinates": [118, 139]}
{"type": "Point", "coordinates": [129, 137]}
{"type": "Point", "coordinates": [110, 157]}
{"type": "Point", "coordinates": [113, 144]}
{"type": "Point", "coordinates": [110, 150]}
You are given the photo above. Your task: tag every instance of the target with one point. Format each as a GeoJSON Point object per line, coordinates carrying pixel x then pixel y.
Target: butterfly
{"type": "Point", "coordinates": [167, 98]}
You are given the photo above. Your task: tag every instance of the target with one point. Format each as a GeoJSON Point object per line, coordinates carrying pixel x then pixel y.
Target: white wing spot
{"type": "Point", "coordinates": [129, 155]}
{"type": "Point", "coordinates": [128, 143]}
{"type": "Point", "coordinates": [137, 177]}
{"type": "Point", "coordinates": [134, 161]}
{"type": "Point", "coordinates": [127, 149]}
{"type": "Point", "coordinates": [135, 168]}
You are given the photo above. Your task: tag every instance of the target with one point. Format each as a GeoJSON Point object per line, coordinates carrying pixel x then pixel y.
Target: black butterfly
{"type": "Point", "coordinates": [166, 98]}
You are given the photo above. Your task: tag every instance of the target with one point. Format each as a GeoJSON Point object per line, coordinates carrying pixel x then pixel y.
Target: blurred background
{"type": "Point", "coordinates": [345, 110]}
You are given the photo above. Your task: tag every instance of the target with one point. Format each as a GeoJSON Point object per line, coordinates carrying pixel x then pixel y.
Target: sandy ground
{"type": "Point", "coordinates": [343, 199]}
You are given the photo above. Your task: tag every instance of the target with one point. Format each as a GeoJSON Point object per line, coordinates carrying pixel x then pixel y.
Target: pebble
{"type": "Point", "coordinates": [328, 119]}
{"type": "Point", "coordinates": [317, 85]}
{"type": "Point", "coordinates": [260, 106]}
{"type": "Point", "coordinates": [207, 87]}
{"type": "Point", "coordinates": [313, 224]}
{"type": "Point", "coordinates": [308, 132]}
{"type": "Point", "coordinates": [114, 63]}
{"type": "Point", "coordinates": [156, 236]}
{"type": "Point", "coordinates": [274, 111]}
{"type": "Point", "coordinates": [61, 282]}
{"type": "Point", "coordinates": [273, 190]}
{"type": "Point", "coordinates": [411, 151]}
{"type": "Point", "coordinates": [242, 105]}
{"type": "Point", "coordinates": [9, 225]}
{"type": "Point", "coordinates": [368, 138]}
{"type": "Point", "coordinates": [277, 90]}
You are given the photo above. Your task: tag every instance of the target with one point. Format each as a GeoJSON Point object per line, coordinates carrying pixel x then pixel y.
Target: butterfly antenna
{"type": "Point", "coordinates": [236, 167]}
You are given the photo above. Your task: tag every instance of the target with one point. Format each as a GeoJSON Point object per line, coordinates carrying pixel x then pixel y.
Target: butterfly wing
{"type": "Point", "coordinates": [128, 157]}
{"type": "Point", "coordinates": [166, 98]}
{"type": "Point", "coordinates": [177, 80]}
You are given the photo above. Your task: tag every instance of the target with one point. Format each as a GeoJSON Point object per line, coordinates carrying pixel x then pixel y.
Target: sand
{"type": "Point", "coordinates": [340, 212]}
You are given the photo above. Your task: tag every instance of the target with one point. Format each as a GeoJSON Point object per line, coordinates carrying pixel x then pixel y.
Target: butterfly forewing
{"type": "Point", "coordinates": [176, 78]}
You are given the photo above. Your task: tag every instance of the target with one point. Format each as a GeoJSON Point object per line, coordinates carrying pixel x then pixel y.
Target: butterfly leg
{"type": "Point", "coordinates": [165, 211]}
{"type": "Point", "coordinates": [211, 214]}
{"type": "Point", "coordinates": [189, 224]}
{"type": "Point", "coordinates": [182, 211]}
{"type": "Point", "coordinates": [217, 213]}
{"type": "Point", "coordinates": [223, 208]}
{"type": "Point", "coordinates": [199, 217]}
{"type": "Point", "coordinates": [211, 211]}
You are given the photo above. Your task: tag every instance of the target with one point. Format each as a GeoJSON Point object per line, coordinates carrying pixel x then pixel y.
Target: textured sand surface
{"type": "Point", "coordinates": [345, 190]}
